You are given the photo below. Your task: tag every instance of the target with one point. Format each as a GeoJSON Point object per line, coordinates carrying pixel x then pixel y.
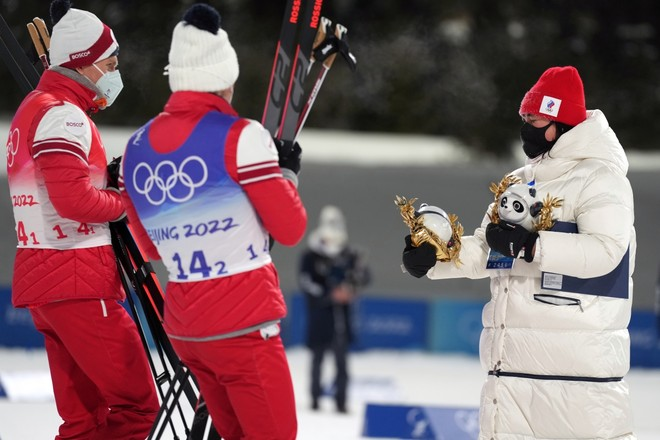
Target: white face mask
{"type": "Point", "coordinates": [110, 84]}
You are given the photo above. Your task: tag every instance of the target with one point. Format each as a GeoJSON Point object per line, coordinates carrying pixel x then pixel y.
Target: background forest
{"type": "Point", "coordinates": [455, 68]}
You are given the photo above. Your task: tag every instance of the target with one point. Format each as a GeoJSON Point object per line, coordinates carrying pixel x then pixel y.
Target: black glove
{"type": "Point", "coordinates": [113, 173]}
{"type": "Point", "coordinates": [418, 260]}
{"type": "Point", "coordinates": [509, 239]}
{"type": "Point", "coordinates": [289, 153]}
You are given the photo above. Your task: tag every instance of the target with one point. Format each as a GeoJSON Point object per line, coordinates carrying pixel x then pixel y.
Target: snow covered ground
{"type": "Point", "coordinates": [396, 377]}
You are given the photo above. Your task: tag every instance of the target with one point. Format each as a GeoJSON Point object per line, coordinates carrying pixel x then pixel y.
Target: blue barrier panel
{"type": "Point", "coordinates": [16, 325]}
{"type": "Point", "coordinates": [391, 323]}
{"type": "Point", "coordinates": [17, 328]}
{"type": "Point", "coordinates": [421, 422]}
{"type": "Point", "coordinates": [455, 326]}
{"type": "Point", "coordinates": [294, 325]}
{"type": "Point", "coordinates": [378, 323]}
{"type": "Point", "coordinates": [644, 340]}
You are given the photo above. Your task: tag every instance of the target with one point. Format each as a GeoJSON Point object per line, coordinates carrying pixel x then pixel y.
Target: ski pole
{"type": "Point", "coordinates": [37, 41]}
{"type": "Point", "coordinates": [327, 48]}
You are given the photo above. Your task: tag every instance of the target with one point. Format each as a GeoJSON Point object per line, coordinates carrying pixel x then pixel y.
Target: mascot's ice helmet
{"type": "Point", "coordinates": [518, 205]}
{"type": "Point", "coordinates": [435, 220]}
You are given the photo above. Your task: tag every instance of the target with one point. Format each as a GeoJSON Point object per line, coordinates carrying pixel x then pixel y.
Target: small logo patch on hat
{"type": "Point", "coordinates": [550, 106]}
{"type": "Point", "coordinates": [81, 54]}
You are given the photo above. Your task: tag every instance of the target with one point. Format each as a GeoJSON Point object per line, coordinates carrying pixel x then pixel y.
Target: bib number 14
{"type": "Point", "coordinates": [198, 265]}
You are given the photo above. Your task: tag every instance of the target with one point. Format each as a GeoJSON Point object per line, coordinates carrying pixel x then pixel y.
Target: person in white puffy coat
{"type": "Point", "coordinates": [555, 341]}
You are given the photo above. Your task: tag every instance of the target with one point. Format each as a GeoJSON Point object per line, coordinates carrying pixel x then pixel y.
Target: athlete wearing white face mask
{"type": "Point", "coordinates": [65, 271]}
{"type": "Point", "coordinates": [109, 82]}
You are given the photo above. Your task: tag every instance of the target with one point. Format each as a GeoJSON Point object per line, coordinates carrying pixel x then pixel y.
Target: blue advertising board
{"type": "Point", "coordinates": [421, 422]}
{"type": "Point", "coordinates": [379, 323]}
{"type": "Point", "coordinates": [16, 325]}
{"type": "Point", "coordinates": [644, 339]}
{"type": "Point", "coordinates": [391, 323]}
{"type": "Point", "coordinates": [455, 326]}
{"type": "Point", "coordinates": [293, 327]}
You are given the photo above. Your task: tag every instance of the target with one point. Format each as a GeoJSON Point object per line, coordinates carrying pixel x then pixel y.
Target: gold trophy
{"type": "Point", "coordinates": [515, 202]}
{"type": "Point", "coordinates": [431, 224]}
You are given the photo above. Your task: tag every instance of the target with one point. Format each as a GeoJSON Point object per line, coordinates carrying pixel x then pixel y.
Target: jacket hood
{"type": "Point", "coordinates": [592, 139]}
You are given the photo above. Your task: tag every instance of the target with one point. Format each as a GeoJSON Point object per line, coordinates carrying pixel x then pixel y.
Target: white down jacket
{"type": "Point", "coordinates": [556, 359]}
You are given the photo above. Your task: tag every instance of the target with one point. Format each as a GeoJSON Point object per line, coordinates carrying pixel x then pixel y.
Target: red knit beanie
{"type": "Point", "coordinates": [558, 96]}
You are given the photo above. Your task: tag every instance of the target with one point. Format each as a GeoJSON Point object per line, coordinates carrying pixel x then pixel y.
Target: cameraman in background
{"type": "Point", "coordinates": [331, 273]}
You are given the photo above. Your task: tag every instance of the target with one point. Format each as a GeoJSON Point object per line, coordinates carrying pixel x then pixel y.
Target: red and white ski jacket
{"type": "Point", "coordinates": [203, 190]}
{"type": "Point", "coordinates": [56, 167]}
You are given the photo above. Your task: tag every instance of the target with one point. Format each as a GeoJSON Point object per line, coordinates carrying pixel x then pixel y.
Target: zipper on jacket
{"type": "Point", "coordinates": [557, 300]}
{"type": "Point", "coordinates": [500, 373]}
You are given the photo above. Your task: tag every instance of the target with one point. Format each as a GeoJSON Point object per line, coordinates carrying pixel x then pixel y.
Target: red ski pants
{"type": "Point", "coordinates": [246, 384]}
{"type": "Point", "coordinates": [103, 387]}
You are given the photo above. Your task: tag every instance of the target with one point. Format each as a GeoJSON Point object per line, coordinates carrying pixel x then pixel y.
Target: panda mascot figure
{"type": "Point", "coordinates": [518, 205]}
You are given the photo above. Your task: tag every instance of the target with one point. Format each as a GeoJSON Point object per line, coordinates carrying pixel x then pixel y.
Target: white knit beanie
{"type": "Point", "coordinates": [201, 58]}
{"type": "Point", "coordinates": [79, 38]}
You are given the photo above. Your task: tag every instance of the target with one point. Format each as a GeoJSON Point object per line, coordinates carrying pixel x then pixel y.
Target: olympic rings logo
{"type": "Point", "coordinates": [169, 182]}
{"type": "Point", "coordinates": [12, 146]}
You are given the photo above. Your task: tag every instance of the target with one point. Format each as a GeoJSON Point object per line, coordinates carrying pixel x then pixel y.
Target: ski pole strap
{"type": "Point", "coordinates": [347, 55]}
{"type": "Point", "coordinates": [327, 47]}
{"type": "Point", "coordinates": [332, 45]}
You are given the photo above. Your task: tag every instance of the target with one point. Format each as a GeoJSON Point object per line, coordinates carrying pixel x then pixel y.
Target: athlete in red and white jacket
{"type": "Point", "coordinates": [204, 190]}
{"type": "Point", "coordinates": [223, 300]}
{"type": "Point", "coordinates": [65, 270]}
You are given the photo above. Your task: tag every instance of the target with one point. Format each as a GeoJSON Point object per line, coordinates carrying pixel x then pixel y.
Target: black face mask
{"type": "Point", "coordinates": [533, 139]}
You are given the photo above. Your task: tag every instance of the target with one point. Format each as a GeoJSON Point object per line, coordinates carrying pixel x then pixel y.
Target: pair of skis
{"type": "Point", "coordinates": [306, 37]}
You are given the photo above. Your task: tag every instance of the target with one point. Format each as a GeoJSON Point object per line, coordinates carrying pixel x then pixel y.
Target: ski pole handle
{"type": "Point", "coordinates": [340, 31]}
{"type": "Point", "coordinates": [38, 45]}
{"type": "Point", "coordinates": [321, 33]}
{"type": "Point", "coordinates": [43, 31]}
